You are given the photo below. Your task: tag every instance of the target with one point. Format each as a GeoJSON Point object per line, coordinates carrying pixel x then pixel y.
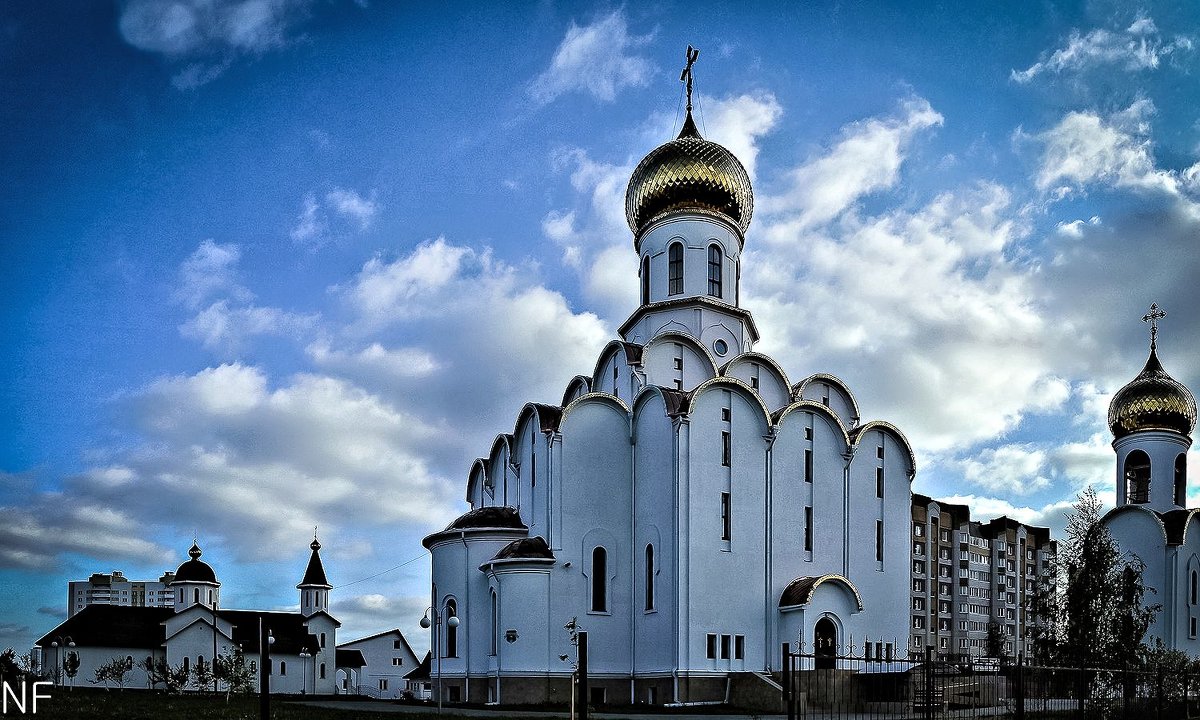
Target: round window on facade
{"type": "Point", "coordinates": [720, 348]}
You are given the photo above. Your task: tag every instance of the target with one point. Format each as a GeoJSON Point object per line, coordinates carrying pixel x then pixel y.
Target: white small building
{"type": "Point", "coordinates": [387, 658]}
{"type": "Point", "coordinates": [1152, 419]}
{"type": "Point", "coordinates": [195, 628]}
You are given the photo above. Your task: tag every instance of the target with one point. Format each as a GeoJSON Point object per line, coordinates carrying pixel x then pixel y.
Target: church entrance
{"type": "Point", "coordinates": [825, 643]}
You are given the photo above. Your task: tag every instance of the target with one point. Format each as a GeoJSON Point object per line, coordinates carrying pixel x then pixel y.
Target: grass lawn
{"type": "Point", "coordinates": [91, 703]}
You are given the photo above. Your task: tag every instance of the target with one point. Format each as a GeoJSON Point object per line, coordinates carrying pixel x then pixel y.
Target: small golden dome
{"type": "Point", "coordinates": [1152, 401]}
{"type": "Point", "coordinates": [689, 172]}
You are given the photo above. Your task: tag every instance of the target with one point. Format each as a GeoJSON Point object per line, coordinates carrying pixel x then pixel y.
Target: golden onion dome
{"type": "Point", "coordinates": [1152, 401]}
{"type": "Point", "coordinates": [689, 172]}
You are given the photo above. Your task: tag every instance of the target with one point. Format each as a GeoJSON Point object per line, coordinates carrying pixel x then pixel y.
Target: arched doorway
{"type": "Point", "coordinates": [825, 643]}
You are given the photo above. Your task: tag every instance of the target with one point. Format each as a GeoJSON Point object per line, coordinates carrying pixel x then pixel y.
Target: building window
{"type": "Point", "coordinates": [383, 684]}
{"type": "Point", "coordinates": [322, 639]}
{"type": "Point", "coordinates": [395, 644]}
{"type": "Point", "coordinates": [714, 271]}
{"type": "Point", "coordinates": [879, 452]}
{"type": "Point", "coordinates": [282, 668]}
{"type": "Point", "coordinates": [397, 662]}
{"type": "Point", "coordinates": [726, 517]}
{"type": "Point", "coordinates": [599, 579]}
{"type": "Point", "coordinates": [196, 595]}
{"type": "Point", "coordinates": [1192, 627]}
{"type": "Point", "coordinates": [616, 391]}
{"type": "Point", "coordinates": [726, 448]}
{"type": "Point", "coordinates": [724, 647]}
{"type": "Point", "coordinates": [878, 482]}
{"type": "Point", "coordinates": [645, 280]}
{"type": "Point", "coordinates": [675, 269]}
{"type": "Point", "coordinates": [1137, 477]}
{"type": "Point", "coordinates": [739, 647]}
{"type": "Point", "coordinates": [879, 542]}
{"type": "Point", "coordinates": [451, 632]}
{"type": "Point", "coordinates": [322, 671]}
{"type": "Point", "coordinates": [711, 646]}
{"type": "Point", "coordinates": [725, 414]}
{"type": "Point", "coordinates": [808, 466]}
{"type": "Point", "coordinates": [495, 642]}
{"type": "Point", "coordinates": [1193, 592]}
{"type": "Point", "coordinates": [649, 577]}
{"type": "Point", "coordinates": [1181, 480]}
{"type": "Point", "coordinates": [808, 528]}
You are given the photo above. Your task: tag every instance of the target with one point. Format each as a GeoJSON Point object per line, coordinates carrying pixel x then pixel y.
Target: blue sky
{"type": "Point", "coordinates": [271, 264]}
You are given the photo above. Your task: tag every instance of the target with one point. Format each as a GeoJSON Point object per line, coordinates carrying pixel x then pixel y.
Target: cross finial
{"type": "Point", "coordinates": [1156, 313]}
{"type": "Point", "coordinates": [686, 75]}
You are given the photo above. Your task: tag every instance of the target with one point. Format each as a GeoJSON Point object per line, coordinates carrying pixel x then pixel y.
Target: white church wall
{"type": "Point", "coordinates": [826, 390]}
{"type": "Point", "coordinates": [1139, 532]}
{"type": "Point", "coordinates": [522, 635]}
{"type": "Point", "coordinates": [758, 372]}
{"type": "Point", "coordinates": [1162, 448]}
{"type": "Point", "coordinates": [505, 489]}
{"type": "Point", "coordinates": [654, 465]}
{"type": "Point", "coordinates": [716, 605]}
{"type": "Point", "coordinates": [677, 361]}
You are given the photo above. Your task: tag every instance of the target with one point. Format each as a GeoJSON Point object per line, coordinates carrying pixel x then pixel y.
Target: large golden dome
{"type": "Point", "coordinates": [1152, 401]}
{"type": "Point", "coordinates": [689, 172]}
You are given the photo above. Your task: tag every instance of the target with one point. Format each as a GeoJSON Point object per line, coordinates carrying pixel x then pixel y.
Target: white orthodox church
{"type": "Point", "coordinates": [689, 505]}
{"type": "Point", "coordinates": [1152, 419]}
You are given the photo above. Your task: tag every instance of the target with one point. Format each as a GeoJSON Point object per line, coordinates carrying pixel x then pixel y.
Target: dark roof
{"type": "Point", "coordinates": [633, 352]}
{"type": "Point", "coordinates": [534, 547]}
{"type": "Point", "coordinates": [498, 516]}
{"type": "Point", "coordinates": [195, 570]}
{"type": "Point", "coordinates": [291, 636]}
{"type": "Point", "coordinates": [420, 672]}
{"type": "Point", "coordinates": [1174, 522]}
{"type": "Point", "coordinates": [315, 573]}
{"type": "Point", "coordinates": [798, 592]}
{"type": "Point", "coordinates": [346, 658]}
{"type": "Point", "coordinates": [548, 415]}
{"type": "Point", "coordinates": [113, 626]}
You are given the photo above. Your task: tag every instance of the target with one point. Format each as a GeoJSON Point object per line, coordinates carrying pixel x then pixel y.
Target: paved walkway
{"type": "Point", "coordinates": [386, 706]}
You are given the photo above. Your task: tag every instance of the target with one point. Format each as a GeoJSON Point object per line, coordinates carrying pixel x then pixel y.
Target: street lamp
{"type": "Point", "coordinates": [265, 641]}
{"type": "Point", "coordinates": [65, 642]}
{"type": "Point", "coordinates": [436, 622]}
{"type": "Point", "coordinates": [304, 656]}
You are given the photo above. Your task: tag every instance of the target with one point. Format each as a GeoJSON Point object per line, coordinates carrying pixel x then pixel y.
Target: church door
{"type": "Point", "coordinates": [825, 641]}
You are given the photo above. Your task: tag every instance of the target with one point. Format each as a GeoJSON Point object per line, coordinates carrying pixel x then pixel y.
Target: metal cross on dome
{"type": "Point", "coordinates": [1156, 313]}
{"type": "Point", "coordinates": [686, 75]}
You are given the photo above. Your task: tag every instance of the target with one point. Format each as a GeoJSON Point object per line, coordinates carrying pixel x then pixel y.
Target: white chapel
{"type": "Point", "coordinates": [689, 505]}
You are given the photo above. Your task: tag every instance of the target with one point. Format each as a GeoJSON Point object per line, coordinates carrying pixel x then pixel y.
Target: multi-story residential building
{"type": "Point", "coordinates": [116, 589]}
{"type": "Point", "coordinates": [970, 578]}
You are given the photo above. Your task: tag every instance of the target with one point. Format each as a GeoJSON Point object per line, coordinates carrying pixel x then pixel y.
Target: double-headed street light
{"type": "Point", "coordinates": [304, 656]}
{"type": "Point", "coordinates": [436, 621]}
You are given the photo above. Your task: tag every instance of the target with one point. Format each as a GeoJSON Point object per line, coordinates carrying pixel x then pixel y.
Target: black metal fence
{"type": "Point", "coordinates": [834, 687]}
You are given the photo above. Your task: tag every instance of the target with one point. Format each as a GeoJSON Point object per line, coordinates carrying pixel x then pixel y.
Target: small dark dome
{"type": "Point", "coordinates": [1152, 401]}
{"type": "Point", "coordinates": [488, 517]}
{"type": "Point", "coordinates": [525, 548]}
{"type": "Point", "coordinates": [195, 570]}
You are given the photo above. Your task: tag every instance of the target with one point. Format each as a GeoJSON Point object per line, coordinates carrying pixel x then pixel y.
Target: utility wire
{"type": "Point", "coordinates": [383, 572]}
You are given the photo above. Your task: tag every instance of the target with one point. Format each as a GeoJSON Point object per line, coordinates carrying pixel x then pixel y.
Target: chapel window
{"type": "Point", "coordinates": [1137, 477]}
{"type": "Point", "coordinates": [808, 528]}
{"type": "Point", "coordinates": [726, 517]}
{"type": "Point", "coordinates": [599, 579]}
{"type": "Point", "coordinates": [714, 270]}
{"type": "Point", "coordinates": [675, 269]}
{"type": "Point", "coordinates": [649, 577]}
{"type": "Point", "coordinates": [495, 643]}
{"type": "Point", "coordinates": [1181, 480]}
{"type": "Point", "coordinates": [451, 631]}
{"type": "Point", "coordinates": [645, 280]}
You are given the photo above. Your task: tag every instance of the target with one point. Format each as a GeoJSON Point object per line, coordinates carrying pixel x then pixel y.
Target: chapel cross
{"type": "Point", "coordinates": [1156, 313]}
{"type": "Point", "coordinates": [686, 75]}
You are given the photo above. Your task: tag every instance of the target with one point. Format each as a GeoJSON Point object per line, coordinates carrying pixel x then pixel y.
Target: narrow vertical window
{"type": "Point", "coordinates": [322, 671]}
{"type": "Point", "coordinates": [714, 271]}
{"type": "Point", "coordinates": [495, 643]}
{"type": "Point", "coordinates": [645, 280]}
{"type": "Point", "coordinates": [322, 640]}
{"type": "Point", "coordinates": [1193, 587]}
{"type": "Point", "coordinates": [879, 482]}
{"type": "Point", "coordinates": [808, 528]}
{"type": "Point", "coordinates": [739, 647]}
{"type": "Point", "coordinates": [599, 579]}
{"type": "Point", "coordinates": [724, 647]}
{"type": "Point", "coordinates": [283, 667]}
{"type": "Point", "coordinates": [879, 540]}
{"type": "Point", "coordinates": [1137, 477]}
{"type": "Point", "coordinates": [726, 517]}
{"type": "Point", "coordinates": [616, 390]}
{"type": "Point", "coordinates": [675, 269]}
{"type": "Point", "coordinates": [196, 595]}
{"type": "Point", "coordinates": [1181, 480]}
{"type": "Point", "coordinates": [649, 577]}
{"type": "Point", "coordinates": [726, 448]}
{"type": "Point", "coordinates": [710, 646]}
{"type": "Point", "coordinates": [451, 631]}
{"type": "Point", "coordinates": [808, 466]}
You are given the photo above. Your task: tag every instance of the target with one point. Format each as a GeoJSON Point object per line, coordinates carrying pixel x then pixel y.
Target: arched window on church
{"type": "Point", "coordinates": [1181, 480]}
{"type": "Point", "coordinates": [451, 631]}
{"type": "Point", "coordinates": [675, 268]}
{"type": "Point", "coordinates": [1137, 477]}
{"type": "Point", "coordinates": [645, 279]}
{"type": "Point", "coordinates": [1192, 595]}
{"type": "Point", "coordinates": [495, 644]}
{"type": "Point", "coordinates": [650, 577]}
{"type": "Point", "coordinates": [599, 579]}
{"type": "Point", "coordinates": [714, 270]}
{"type": "Point", "coordinates": [196, 596]}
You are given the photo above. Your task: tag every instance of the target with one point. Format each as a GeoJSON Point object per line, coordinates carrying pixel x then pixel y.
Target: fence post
{"type": "Point", "coordinates": [1159, 689]}
{"type": "Point", "coordinates": [787, 682]}
{"type": "Point", "coordinates": [583, 676]}
{"type": "Point", "coordinates": [929, 682]}
{"type": "Point", "coordinates": [1081, 691]}
{"type": "Point", "coordinates": [1019, 689]}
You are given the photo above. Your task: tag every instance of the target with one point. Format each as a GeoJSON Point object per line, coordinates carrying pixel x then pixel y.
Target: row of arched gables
{"type": "Point", "coordinates": [514, 449]}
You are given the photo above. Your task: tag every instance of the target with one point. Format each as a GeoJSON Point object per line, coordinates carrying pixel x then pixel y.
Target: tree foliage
{"type": "Point", "coordinates": [114, 671]}
{"type": "Point", "coordinates": [235, 672]}
{"type": "Point", "coordinates": [202, 674]}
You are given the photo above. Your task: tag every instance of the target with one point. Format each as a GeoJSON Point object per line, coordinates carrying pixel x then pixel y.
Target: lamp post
{"type": "Point", "coordinates": [436, 622]}
{"type": "Point", "coordinates": [265, 640]}
{"type": "Point", "coordinates": [304, 656]}
{"type": "Point", "coordinates": [58, 644]}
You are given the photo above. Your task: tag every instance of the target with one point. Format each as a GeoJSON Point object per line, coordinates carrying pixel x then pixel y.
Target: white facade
{"type": "Point", "coordinates": [388, 659]}
{"type": "Point", "coordinates": [688, 504]}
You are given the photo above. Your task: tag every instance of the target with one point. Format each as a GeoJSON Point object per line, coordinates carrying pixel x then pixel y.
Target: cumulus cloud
{"type": "Point", "coordinates": [365, 615]}
{"type": "Point", "coordinates": [599, 59]}
{"type": "Point", "coordinates": [217, 30]}
{"type": "Point", "coordinates": [1015, 469]}
{"type": "Point", "coordinates": [1137, 47]}
{"type": "Point", "coordinates": [209, 271]}
{"type": "Point", "coordinates": [226, 330]}
{"type": "Point", "coordinates": [340, 210]}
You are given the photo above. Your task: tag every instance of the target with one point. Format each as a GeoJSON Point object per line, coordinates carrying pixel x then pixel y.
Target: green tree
{"type": "Point", "coordinates": [202, 674]}
{"type": "Point", "coordinates": [994, 644]}
{"type": "Point", "coordinates": [234, 671]}
{"type": "Point", "coordinates": [71, 666]}
{"type": "Point", "coordinates": [176, 678]}
{"type": "Point", "coordinates": [1044, 616]}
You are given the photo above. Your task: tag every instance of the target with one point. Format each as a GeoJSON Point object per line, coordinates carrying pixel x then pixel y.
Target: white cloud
{"type": "Point", "coordinates": [1075, 228]}
{"type": "Point", "coordinates": [353, 206]}
{"type": "Point", "coordinates": [1016, 469]}
{"type": "Point", "coordinates": [209, 271]}
{"type": "Point", "coordinates": [183, 27]}
{"type": "Point", "coordinates": [399, 362]}
{"type": "Point", "coordinates": [1052, 515]}
{"type": "Point", "coordinates": [1138, 47]}
{"type": "Point", "coordinates": [867, 159]}
{"type": "Point", "coordinates": [739, 121]}
{"type": "Point", "coordinates": [309, 227]}
{"type": "Point", "coordinates": [599, 59]}
{"type": "Point", "coordinates": [226, 329]}
{"type": "Point", "coordinates": [314, 223]}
